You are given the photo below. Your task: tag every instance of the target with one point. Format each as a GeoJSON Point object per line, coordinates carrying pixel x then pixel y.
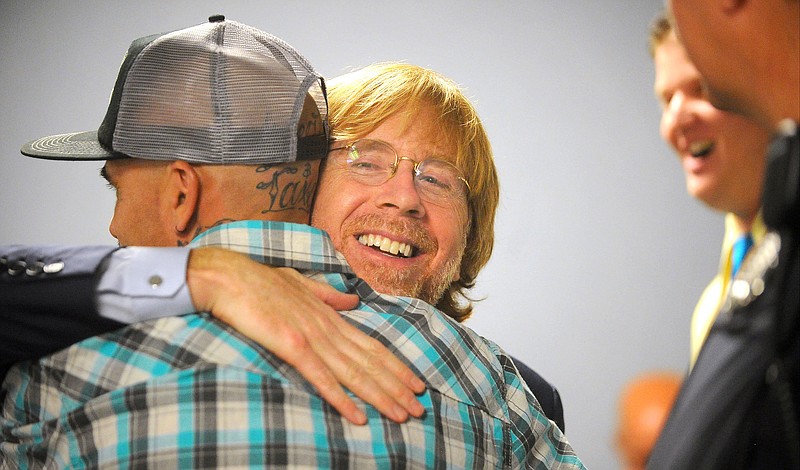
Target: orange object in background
{"type": "Point", "coordinates": [644, 405]}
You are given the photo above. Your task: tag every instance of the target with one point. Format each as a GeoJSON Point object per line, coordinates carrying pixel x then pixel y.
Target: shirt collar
{"type": "Point", "coordinates": [281, 244]}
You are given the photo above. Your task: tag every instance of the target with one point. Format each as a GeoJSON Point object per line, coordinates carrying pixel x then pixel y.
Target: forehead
{"type": "Point", "coordinates": [112, 169]}
{"type": "Point", "coordinates": [418, 133]}
{"type": "Point", "coordinates": [672, 65]}
{"type": "Point", "coordinates": [115, 170]}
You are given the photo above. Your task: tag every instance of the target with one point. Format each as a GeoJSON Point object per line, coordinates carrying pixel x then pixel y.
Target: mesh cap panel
{"type": "Point", "coordinates": [220, 92]}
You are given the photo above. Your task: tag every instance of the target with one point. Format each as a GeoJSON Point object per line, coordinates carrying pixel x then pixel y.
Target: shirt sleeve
{"type": "Point", "coordinates": [138, 284]}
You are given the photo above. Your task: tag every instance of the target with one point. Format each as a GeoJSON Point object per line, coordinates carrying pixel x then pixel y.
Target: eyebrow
{"type": "Point", "coordinates": [105, 176]}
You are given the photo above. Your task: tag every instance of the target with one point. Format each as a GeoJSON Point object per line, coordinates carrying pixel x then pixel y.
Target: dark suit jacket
{"type": "Point", "coordinates": [545, 392]}
{"type": "Point", "coordinates": [38, 318]}
{"type": "Point", "coordinates": [740, 405]}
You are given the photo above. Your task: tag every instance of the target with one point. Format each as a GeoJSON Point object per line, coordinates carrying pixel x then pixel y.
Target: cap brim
{"type": "Point", "coordinates": [75, 146]}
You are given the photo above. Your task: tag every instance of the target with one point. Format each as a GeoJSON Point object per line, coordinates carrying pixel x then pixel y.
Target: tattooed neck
{"type": "Point", "coordinates": [287, 188]}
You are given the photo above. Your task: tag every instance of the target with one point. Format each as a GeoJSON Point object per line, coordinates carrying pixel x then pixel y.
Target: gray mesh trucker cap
{"type": "Point", "coordinates": [220, 92]}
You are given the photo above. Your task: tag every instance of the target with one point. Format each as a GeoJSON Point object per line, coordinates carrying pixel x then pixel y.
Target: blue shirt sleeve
{"type": "Point", "coordinates": [138, 284]}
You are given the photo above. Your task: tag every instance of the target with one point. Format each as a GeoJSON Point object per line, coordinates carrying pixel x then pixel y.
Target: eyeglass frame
{"type": "Point", "coordinates": [398, 159]}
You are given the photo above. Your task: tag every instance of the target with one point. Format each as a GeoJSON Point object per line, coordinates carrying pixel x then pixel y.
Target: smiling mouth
{"type": "Point", "coordinates": [386, 245]}
{"type": "Point", "coordinates": [702, 148]}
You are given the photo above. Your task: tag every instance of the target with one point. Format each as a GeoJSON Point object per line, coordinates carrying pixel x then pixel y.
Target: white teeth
{"type": "Point", "coordinates": [701, 148]}
{"type": "Point", "coordinates": [386, 245]}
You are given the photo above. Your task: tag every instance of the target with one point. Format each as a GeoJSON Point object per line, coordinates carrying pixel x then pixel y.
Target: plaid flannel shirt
{"type": "Point", "coordinates": [190, 392]}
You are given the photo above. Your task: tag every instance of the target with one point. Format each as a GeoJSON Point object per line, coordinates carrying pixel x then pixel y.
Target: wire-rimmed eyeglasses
{"type": "Point", "coordinates": [374, 162]}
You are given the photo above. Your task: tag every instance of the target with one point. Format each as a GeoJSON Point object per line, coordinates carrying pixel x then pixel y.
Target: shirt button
{"type": "Point", "coordinates": [155, 281]}
{"type": "Point", "coordinates": [53, 268]}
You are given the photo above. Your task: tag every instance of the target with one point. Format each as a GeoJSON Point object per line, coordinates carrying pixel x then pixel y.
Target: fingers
{"type": "Point", "coordinates": [299, 355]}
{"type": "Point", "coordinates": [369, 370]}
{"type": "Point", "coordinates": [381, 386]}
{"type": "Point", "coordinates": [378, 358]}
{"type": "Point", "coordinates": [326, 293]}
{"type": "Point", "coordinates": [362, 364]}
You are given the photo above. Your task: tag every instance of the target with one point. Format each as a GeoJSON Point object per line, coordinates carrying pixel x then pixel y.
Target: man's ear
{"type": "Point", "coordinates": [182, 195]}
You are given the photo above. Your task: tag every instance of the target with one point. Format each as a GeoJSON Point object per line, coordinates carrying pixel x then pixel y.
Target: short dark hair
{"type": "Point", "coordinates": [659, 30]}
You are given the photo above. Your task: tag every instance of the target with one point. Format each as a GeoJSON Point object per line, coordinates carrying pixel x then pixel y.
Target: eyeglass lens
{"type": "Point", "coordinates": [374, 163]}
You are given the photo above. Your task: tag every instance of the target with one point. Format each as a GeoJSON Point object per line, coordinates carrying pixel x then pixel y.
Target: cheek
{"type": "Point", "coordinates": [450, 227]}
{"type": "Point", "coordinates": [736, 126]}
{"type": "Point", "coordinates": [322, 217]}
{"type": "Point", "coordinates": [336, 199]}
{"type": "Point", "coordinates": [666, 127]}
{"type": "Point", "coordinates": [135, 221]}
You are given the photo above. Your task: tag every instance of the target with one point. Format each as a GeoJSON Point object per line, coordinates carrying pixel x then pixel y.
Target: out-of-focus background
{"type": "Point", "coordinates": [600, 254]}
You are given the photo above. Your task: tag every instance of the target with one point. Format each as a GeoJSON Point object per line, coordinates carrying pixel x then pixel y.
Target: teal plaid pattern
{"type": "Point", "coordinates": [190, 392]}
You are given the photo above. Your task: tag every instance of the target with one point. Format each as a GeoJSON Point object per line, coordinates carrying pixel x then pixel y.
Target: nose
{"type": "Point", "coordinates": [112, 228]}
{"type": "Point", "coordinates": [400, 192]}
{"type": "Point", "coordinates": [676, 116]}
{"type": "Point", "coordinates": [113, 225]}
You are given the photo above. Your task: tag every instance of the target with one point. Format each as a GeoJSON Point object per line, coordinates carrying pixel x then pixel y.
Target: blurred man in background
{"type": "Point", "coordinates": [740, 407]}
{"type": "Point", "coordinates": [721, 154]}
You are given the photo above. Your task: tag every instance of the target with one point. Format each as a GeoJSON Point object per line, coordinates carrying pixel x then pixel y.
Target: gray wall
{"type": "Point", "coordinates": [600, 253]}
